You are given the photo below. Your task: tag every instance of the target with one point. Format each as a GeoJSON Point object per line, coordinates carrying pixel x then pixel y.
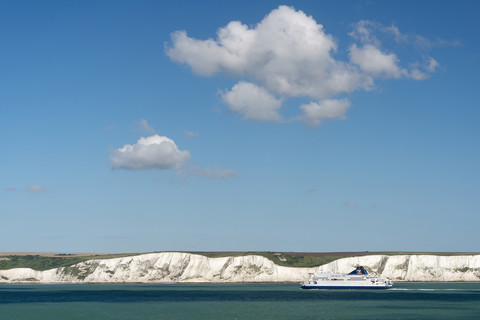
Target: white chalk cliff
{"type": "Point", "coordinates": [169, 267]}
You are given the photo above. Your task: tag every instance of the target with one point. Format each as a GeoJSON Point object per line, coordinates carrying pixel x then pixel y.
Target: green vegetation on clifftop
{"type": "Point", "coordinates": [41, 263]}
{"type": "Point", "coordinates": [286, 259]}
{"type": "Point", "coordinates": [282, 259]}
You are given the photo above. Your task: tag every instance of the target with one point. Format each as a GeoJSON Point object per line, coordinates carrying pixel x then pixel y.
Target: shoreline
{"type": "Point", "coordinates": [196, 283]}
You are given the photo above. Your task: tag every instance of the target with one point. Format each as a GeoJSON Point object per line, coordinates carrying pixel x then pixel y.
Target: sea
{"type": "Point", "coordinates": [236, 301]}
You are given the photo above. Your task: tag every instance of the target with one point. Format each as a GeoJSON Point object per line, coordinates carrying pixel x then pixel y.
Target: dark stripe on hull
{"type": "Point", "coordinates": [346, 287]}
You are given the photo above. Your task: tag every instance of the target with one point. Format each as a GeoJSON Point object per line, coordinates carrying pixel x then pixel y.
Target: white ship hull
{"type": "Point", "coordinates": [357, 279]}
{"type": "Point", "coordinates": [346, 286]}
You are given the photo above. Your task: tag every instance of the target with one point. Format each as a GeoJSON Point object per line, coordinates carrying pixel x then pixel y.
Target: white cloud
{"type": "Point", "coordinates": [288, 55]}
{"type": "Point", "coordinates": [367, 31]}
{"type": "Point", "coordinates": [252, 102]}
{"type": "Point", "coordinates": [425, 43]}
{"type": "Point", "coordinates": [432, 65]}
{"type": "Point", "coordinates": [10, 189]}
{"type": "Point", "coordinates": [154, 152]}
{"type": "Point", "coordinates": [418, 75]}
{"type": "Point", "coordinates": [363, 32]}
{"type": "Point", "coordinates": [207, 57]}
{"type": "Point", "coordinates": [157, 152]}
{"type": "Point", "coordinates": [372, 61]}
{"type": "Point", "coordinates": [428, 68]}
{"type": "Point", "coordinates": [212, 173]}
{"type": "Point", "coordinates": [315, 113]}
{"type": "Point", "coordinates": [34, 188]}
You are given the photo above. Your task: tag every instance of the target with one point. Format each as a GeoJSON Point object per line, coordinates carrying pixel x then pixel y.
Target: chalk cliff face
{"type": "Point", "coordinates": [413, 267]}
{"type": "Point", "coordinates": [170, 267]}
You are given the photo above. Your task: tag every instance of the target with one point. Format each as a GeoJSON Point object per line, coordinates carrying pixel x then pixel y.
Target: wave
{"type": "Point", "coordinates": [428, 289]}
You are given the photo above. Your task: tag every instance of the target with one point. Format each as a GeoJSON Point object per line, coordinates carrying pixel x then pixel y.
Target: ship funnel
{"type": "Point", "coordinates": [359, 270]}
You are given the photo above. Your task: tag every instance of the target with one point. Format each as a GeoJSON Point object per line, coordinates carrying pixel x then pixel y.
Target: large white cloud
{"type": "Point", "coordinates": [154, 152]}
{"type": "Point", "coordinates": [288, 55]}
{"type": "Point", "coordinates": [287, 52]}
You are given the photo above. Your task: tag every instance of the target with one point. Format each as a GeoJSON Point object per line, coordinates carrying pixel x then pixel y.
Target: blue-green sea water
{"type": "Point", "coordinates": [237, 301]}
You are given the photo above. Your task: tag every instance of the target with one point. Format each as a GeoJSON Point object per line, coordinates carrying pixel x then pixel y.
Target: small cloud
{"type": "Point", "coordinates": [425, 43]}
{"type": "Point", "coordinates": [363, 32]}
{"type": "Point", "coordinates": [432, 65]}
{"type": "Point", "coordinates": [191, 134]}
{"type": "Point", "coordinates": [154, 152]}
{"type": "Point", "coordinates": [418, 75]}
{"type": "Point", "coordinates": [10, 189]}
{"type": "Point", "coordinates": [371, 59]}
{"type": "Point", "coordinates": [367, 31]}
{"type": "Point", "coordinates": [350, 204]}
{"type": "Point", "coordinates": [36, 188]}
{"type": "Point", "coordinates": [212, 173]}
{"type": "Point", "coordinates": [422, 72]}
{"type": "Point", "coordinates": [375, 62]}
{"type": "Point", "coordinates": [143, 126]}
{"type": "Point", "coordinates": [315, 113]}
{"type": "Point", "coordinates": [311, 190]}
{"type": "Point", "coordinates": [252, 102]}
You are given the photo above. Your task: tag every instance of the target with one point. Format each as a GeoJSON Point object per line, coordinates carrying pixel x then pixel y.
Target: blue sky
{"type": "Point", "coordinates": [303, 126]}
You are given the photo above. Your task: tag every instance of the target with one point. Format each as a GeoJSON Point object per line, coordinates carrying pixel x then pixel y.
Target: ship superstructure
{"type": "Point", "coordinates": [357, 279]}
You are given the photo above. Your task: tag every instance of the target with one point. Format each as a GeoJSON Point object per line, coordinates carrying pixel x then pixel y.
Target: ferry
{"type": "Point", "coordinates": [357, 279]}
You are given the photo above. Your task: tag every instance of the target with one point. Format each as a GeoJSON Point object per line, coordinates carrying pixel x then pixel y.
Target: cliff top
{"type": "Point", "coordinates": [44, 261]}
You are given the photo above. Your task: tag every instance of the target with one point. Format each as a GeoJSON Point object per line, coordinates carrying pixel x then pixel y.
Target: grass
{"type": "Point", "coordinates": [281, 259]}
{"type": "Point", "coordinates": [41, 263]}
{"type": "Point", "coordinates": [286, 259]}
{"type": "Point", "coordinates": [309, 259]}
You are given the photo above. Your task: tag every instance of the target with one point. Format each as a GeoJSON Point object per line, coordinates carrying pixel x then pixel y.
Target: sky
{"type": "Point", "coordinates": [139, 126]}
